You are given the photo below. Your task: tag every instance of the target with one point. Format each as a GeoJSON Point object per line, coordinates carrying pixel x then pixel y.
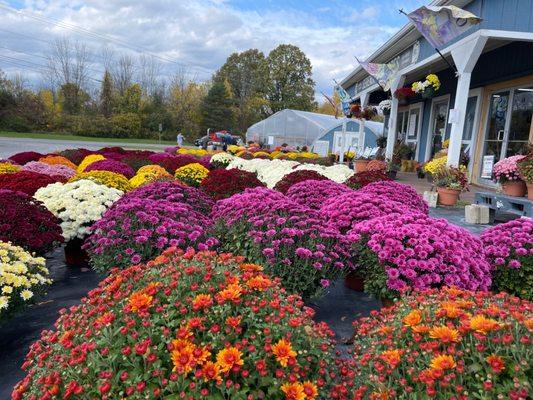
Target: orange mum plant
{"type": "Point", "coordinates": [186, 325]}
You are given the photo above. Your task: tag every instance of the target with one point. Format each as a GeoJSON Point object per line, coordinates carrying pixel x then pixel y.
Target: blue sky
{"type": "Point", "coordinates": [199, 34]}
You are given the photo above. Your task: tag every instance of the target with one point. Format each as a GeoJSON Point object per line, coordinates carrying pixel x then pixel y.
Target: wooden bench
{"type": "Point", "coordinates": [499, 202]}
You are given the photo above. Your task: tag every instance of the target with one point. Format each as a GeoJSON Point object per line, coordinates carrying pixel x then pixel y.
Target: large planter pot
{"type": "Point", "coordinates": [75, 256]}
{"type": "Point", "coordinates": [354, 281]}
{"type": "Point", "coordinates": [360, 165]}
{"type": "Point", "coordinates": [529, 191]}
{"type": "Point", "coordinates": [514, 188]}
{"type": "Point", "coordinates": [448, 197]}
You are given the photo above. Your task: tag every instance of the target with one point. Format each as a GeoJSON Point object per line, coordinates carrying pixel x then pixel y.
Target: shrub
{"type": "Point", "coordinates": [314, 194]}
{"type": "Point", "coordinates": [509, 250]}
{"type": "Point", "coordinates": [58, 172]}
{"type": "Point", "coordinates": [399, 192]}
{"type": "Point", "coordinates": [27, 223]}
{"type": "Point", "coordinates": [25, 181]}
{"type": "Point", "coordinates": [221, 160]}
{"type": "Point", "coordinates": [400, 252]}
{"type": "Point", "coordinates": [361, 179]}
{"type": "Point", "coordinates": [194, 326]}
{"type": "Point", "coordinates": [107, 178]}
{"type": "Point", "coordinates": [291, 240]}
{"type": "Point", "coordinates": [88, 160]}
{"type": "Point", "coordinates": [224, 183]}
{"type": "Point", "coordinates": [25, 157]}
{"type": "Point", "coordinates": [347, 210]}
{"type": "Point", "coordinates": [446, 344]}
{"type": "Point", "coordinates": [174, 192]}
{"type": "Point", "coordinates": [135, 230]}
{"type": "Point", "coordinates": [111, 166]}
{"type": "Point", "coordinates": [77, 204]}
{"type": "Point", "coordinates": [57, 160]}
{"type": "Point", "coordinates": [295, 177]}
{"type": "Point", "coordinates": [22, 278]}
{"type": "Point", "coordinates": [191, 174]}
{"type": "Point", "coordinates": [8, 168]}
{"type": "Point", "coordinates": [126, 125]}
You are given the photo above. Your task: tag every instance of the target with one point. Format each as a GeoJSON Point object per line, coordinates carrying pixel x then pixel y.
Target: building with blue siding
{"type": "Point", "coordinates": [485, 111]}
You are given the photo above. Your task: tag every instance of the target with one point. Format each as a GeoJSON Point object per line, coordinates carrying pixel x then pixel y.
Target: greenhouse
{"type": "Point", "coordinates": [293, 127]}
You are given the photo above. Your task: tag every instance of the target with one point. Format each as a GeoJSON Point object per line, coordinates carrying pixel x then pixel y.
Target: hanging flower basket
{"type": "Point", "coordinates": [403, 94]}
{"type": "Point", "coordinates": [428, 87]}
{"type": "Point", "coordinates": [429, 93]}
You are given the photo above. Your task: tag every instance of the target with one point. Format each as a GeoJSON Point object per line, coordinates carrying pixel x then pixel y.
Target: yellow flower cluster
{"type": "Point", "coordinates": [234, 149]}
{"type": "Point", "coordinates": [194, 152]}
{"type": "Point", "coordinates": [446, 144]}
{"type": "Point", "coordinates": [21, 275]}
{"type": "Point", "coordinates": [6, 168]}
{"type": "Point", "coordinates": [435, 164]}
{"type": "Point", "coordinates": [260, 154]}
{"type": "Point", "coordinates": [303, 154]}
{"type": "Point", "coordinates": [88, 160]}
{"type": "Point", "coordinates": [192, 174]}
{"type": "Point", "coordinates": [149, 173]}
{"type": "Point", "coordinates": [57, 160]}
{"type": "Point", "coordinates": [434, 81]}
{"type": "Point", "coordinates": [107, 178]}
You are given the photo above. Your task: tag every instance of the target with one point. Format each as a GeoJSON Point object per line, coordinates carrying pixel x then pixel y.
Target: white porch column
{"type": "Point", "coordinates": [465, 58]}
{"type": "Point", "coordinates": [364, 102]}
{"type": "Point", "coordinates": [393, 118]}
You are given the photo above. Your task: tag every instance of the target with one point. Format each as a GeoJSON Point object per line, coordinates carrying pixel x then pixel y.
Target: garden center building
{"type": "Point", "coordinates": [485, 110]}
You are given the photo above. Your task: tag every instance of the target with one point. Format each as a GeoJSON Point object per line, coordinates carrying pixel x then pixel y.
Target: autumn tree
{"type": "Point", "coordinates": [217, 107]}
{"type": "Point", "coordinates": [185, 102]}
{"type": "Point", "coordinates": [106, 95]}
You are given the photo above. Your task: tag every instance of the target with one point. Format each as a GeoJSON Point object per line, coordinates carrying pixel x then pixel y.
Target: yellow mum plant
{"type": "Point", "coordinates": [192, 174]}
{"type": "Point", "coordinates": [7, 168]}
{"type": "Point", "coordinates": [88, 160]}
{"type": "Point", "coordinates": [234, 149]}
{"type": "Point", "coordinates": [261, 154]}
{"type": "Point", "coordinates": [194, 152]}
{"type": "Point", "coordinates": [149, 173]}
{"type": "Point", "coordinates": [22, 278]}
{"type": "Point", "coordinates": [436, 164]}
{"type": "Point", "coordinates": [107, 178]}
{"type": "Point", "coordinates": [57, 160]}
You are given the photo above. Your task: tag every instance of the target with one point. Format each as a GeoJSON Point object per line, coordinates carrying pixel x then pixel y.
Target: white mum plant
{"type": "Point", "coordinates": [77, 204]}
{"type": "Point", "coordinates": [221, 160]}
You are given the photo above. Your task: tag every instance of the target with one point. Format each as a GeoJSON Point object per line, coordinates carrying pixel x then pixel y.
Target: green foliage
{"type": "Point", "coordinates": [15, 123]}
{"type": "Point", "coordinates": [106, 95]}
{"type": "Point", "coordinates": [517, 281]}
{"type": "Point", "coordinates": [130, 101]}
{"type": "Point", "coordinates": [126, 125]}
{"type": "Point", "coordinates": [217, 111]}
{"type": "Point", "coordinates": [525, 167]}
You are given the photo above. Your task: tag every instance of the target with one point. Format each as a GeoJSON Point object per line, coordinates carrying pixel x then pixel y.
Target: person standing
{"type": "Point", "coordinates": [179, 138]}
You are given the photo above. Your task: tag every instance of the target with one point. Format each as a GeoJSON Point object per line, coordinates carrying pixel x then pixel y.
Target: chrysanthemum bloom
{"type": "Point", "coordinates": [413, 318]}
{"type": "Point", "coordinates": [140, 301]}
{"type": "Point", "coordinates": [229, 358]}
{"type": "Point", "coordinates": [283, 352]}
{"type": "Point", "coordinates": [444, 334]}
{"type": "Point", "coordinates": [391, 357]}
{"type": "Point", "coordinates": [183, 356]}
{"type": "Point", "coordinates": [483, 325]}
{"type": "Point", "coordinates": [293, 391]}
{"type": "Point", "coordinates": [496, 363]}
{"type": "Point", "coordinates": [442, 362]}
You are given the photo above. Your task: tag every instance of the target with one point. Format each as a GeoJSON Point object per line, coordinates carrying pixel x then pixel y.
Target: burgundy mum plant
{"type": "Point", "coordinates": [27, 223]}
{"type": "Point", "coordinates": [314, 194]}
{"type": "Point", "coordinates": [173, 192]}
{"type": "Point", "coordinates": [111, 166]}
{"type": "Point", "coordinates": [135, 230]}
{"type": "Point", "coordinates": [168, 161]}
{"type": "Point", "coordinates": [361, 179]}
{"type": "Point", "coordinates": [26, 181]}
{"type": "Point", "coordinates": [76, 155]}
{"type": "Point", "coordinates": [224, 183]}
{"type": "Point", "coordinates": [399, 192]}
{"type": "Point", "coordinates": [25, 157]}
{"type": "Point", "coordinates": [399, 252]}
{"type": "Point", "coordinates": [349, 209]}
{"type": "Point", "coordinates": [57, 171]}
{"type": "Point", "coordinates": [296, 177]}
{"type": "Point", "coordinates": [509, 250]}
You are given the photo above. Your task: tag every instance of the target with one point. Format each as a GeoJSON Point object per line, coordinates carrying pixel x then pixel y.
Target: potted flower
{"type": "Point", "coordinates": [381, 142]}
{"type": "Point", "coordinates": [420, 170]}
{"type": "Point", "coordinates": [403, 93]}
{"type": "Point", "coordinates": [392, 169]}
{"type": "Point", "coordinates": [450, 182]}
{"type": "Point", "coordinates": [355, 110]}
{"type": "Point", "coordinates": [506, 173]}
{"type": "Point", "coordinates": [427, 87]}
{"type": "Point", "coordinates": [360, 163]}
{"type": "Point", "coordinates": [525, 168]}
{"type": "Point", "coordinates": [385, 106]}
{"type": "Point", "coordinates": [368, 113]}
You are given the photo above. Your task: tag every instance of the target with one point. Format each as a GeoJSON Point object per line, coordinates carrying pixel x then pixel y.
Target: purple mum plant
{"type": "Point", "coordinates": [399, 192]}
{"type": "Point", "coordinates": [112, 166]}
{"type": "Point", "coordinates": [314, 194]}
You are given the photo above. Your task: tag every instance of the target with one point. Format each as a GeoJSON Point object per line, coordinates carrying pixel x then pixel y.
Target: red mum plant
{"type": "Point", "coordinates": [399, 192]}
{"type": "Point", "coordinates": [26, 222]}
{"type": "Point", "coordinates": [297, 176]}
{"type": "Point", "coordinates": [25, 157]}
{"type": "Point", "coordinates": [361, 179]}
{"type": "Point", "coordinates": [27, 181]}
{"type": "Point", "coordinates": [111, 166]}
{"type": "Point", "coordinates": [76, 155]}
{"type": "Point", "coordinates": [192, 325]}
{"type": "Point", "coordinates": [444, 344]}
{"type": "Point", "coordinates": [136, 161]}
{"type": "Point", "coordinates": [168, 161]}
{"type": "Point", "coordinates": [224, 183]}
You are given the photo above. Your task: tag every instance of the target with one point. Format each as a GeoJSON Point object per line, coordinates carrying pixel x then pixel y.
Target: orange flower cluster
{"type": "Point", "coordinates": [58, 160]}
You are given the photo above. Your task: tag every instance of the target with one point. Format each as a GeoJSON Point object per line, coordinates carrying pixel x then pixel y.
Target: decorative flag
{"type": "Point", "coordinates": [344, 97]}
{"type": "Point", "coordinates": [384, 74]}
{"type": "Point", "coordinates": [440, 25]}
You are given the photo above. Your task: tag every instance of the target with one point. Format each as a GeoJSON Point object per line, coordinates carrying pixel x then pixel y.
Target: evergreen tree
{"type": "Point", "coordinates": [106, 95]}
{"type": "Point", "coordinates": [217, 110]}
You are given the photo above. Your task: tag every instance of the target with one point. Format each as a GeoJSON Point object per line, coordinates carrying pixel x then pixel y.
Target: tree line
{"type": "Point", "coordinates": [132, 97]}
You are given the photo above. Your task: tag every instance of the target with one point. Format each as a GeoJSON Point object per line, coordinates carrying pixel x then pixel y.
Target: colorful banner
{"type": "Point", "coordinates": [384, 74]}
{"type": "Point", "coordinates": [440, 25]}
{"type": "Point", "coordinates": [345, 98]}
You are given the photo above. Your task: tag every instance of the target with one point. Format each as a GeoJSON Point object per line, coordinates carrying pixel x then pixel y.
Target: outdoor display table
{"type": "Point", "coordinates": [499, 202]}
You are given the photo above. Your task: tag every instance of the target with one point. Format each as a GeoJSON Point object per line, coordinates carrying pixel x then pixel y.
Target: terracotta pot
{"type": "Point", "coordinates": [448, 197]}
{"type": "Point", "coordinates": [360, 165]}
{"type": "Point", "coordinates": [529, 191]}
{"type": "Point", "coordinates": [386, 303]}
{"type": "Point", "coordinates": [354, 281]}
{"type": "Point", "coordinates": [514, 188]}
{"type": "Point", "coordinates": [75, 256]}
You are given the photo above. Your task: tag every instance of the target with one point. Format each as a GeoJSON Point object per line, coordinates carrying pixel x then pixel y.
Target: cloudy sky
{"type": "Point", "coordinates": [198, 35]}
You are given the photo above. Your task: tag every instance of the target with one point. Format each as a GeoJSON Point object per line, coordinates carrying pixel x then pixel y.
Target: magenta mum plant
{"type": "Point", "coordinates": [399, 252]}
{"type": "Point", "coordinates": [399, 192]}
{"type": "Point", "coordinates": [509, 250]}
{"type": "Point", "coordinates": [314, 194]}
{"type": "Point", "coordinates": [507, 169]}
{"type": "Point", "coordinates": [111, 166]}
{"type": "Point", "coordinates": [25, 157]}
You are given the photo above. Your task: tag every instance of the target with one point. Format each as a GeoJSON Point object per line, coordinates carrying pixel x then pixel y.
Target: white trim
{"type": "Point", "coordinates": [478, 92]}
{"type": "Point", "coordinates": [430, 126]}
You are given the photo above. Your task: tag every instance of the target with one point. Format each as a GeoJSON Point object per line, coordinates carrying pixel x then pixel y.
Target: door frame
{"type": "Point", "coordinates": [430, 126]}
{"type": "Point", "coordinates": [478, 92]}
{"type": "Point", "coordinates": [416, 141]}
{"type": "Point", "coordinates": [338, 135]}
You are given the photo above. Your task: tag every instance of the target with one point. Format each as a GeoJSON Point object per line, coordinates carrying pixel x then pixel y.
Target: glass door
{"type": "Point", "coordinates": [519, 131]}
{"type": "Point", "coordinates": [438, 125]}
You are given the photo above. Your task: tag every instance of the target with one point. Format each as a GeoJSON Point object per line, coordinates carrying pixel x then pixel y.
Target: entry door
{"type": "Point", "coordinates": [439, 122]}
{"type": "Point", "coordinates": [351, 144]}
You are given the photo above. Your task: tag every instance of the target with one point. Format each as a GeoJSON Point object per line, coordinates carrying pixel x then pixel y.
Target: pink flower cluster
{"type": "Point", "coordinates": [506, 243]}
{"type": "Point", "coordinates": [422, 252]}
{"type": "Point", "coordinates": [507, 169]}
{"type": "Point", "coordinates": [313, 193]}
{"type": "Point", "coordinates": [115, 166]}
{"type": "Point", "coordinates": [353, 207]}
{"type": "Point", "coordinates": [55, 170]}
{"type": "Point", "coordinates": [399, 192]}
